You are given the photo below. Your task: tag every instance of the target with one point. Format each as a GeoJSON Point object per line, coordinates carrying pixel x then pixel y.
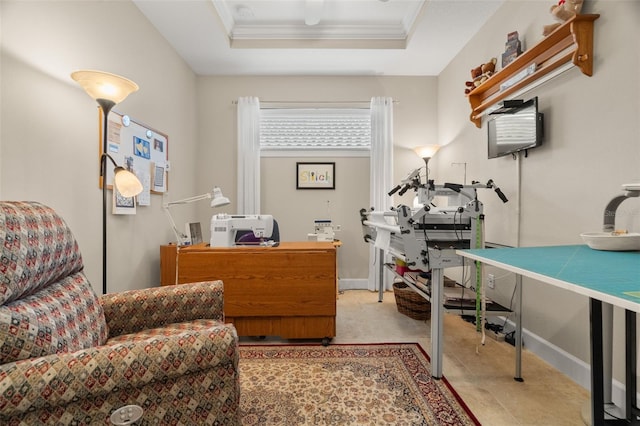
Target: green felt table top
{"type": "Point", "coordinates": [594, 273]}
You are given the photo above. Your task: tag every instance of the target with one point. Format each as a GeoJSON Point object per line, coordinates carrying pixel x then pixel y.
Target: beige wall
{"type": "Point", "coordinates": [591, 148]}
{"type": "Point", "coordinates": [415, 124]}
{"type": "Point", "coordinates": [297, 209]}
{"type": "Point", "coordinates": [49, 139]}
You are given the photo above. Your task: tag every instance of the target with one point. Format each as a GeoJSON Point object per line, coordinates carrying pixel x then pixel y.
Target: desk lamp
{"type": "Point", "coordinates": [108, 90]}
{"type": "Point", "coordinates": [217, 200]}
{"type": "Point", "coordinates": [426, 152]}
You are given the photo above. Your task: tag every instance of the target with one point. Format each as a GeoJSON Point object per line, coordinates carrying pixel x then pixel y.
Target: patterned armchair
{"type": "Point", "coordinates": [68, 356]}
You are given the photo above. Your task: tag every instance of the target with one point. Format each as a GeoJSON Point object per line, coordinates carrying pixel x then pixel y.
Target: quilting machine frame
{"type": "Point", "coordinates": [426, 239]}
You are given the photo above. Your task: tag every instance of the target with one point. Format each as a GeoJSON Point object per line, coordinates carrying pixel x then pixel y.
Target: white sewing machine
{"type": "Point", "coordinates": [324, 231]}
{"type": "Point", "coordinates": [224, 227]}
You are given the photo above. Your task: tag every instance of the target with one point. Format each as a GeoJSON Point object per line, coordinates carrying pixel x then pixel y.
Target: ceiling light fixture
{"type": "Point", "coordinates": [244, 11]}
{"type": "Point", "coordinates": [313, 11]}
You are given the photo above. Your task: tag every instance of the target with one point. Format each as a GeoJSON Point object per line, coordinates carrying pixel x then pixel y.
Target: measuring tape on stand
{"type": "Point", "coordinates": [479, 286]}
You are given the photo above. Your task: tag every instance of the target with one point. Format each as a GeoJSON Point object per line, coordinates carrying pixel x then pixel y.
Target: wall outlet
{"type": "Point", "coordinates": [491, 281]}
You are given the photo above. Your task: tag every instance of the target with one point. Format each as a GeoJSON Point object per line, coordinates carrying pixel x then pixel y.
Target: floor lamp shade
{"type": "Point", "coordinates": [104, 85]}
{"type": "Point", "coordinates": [427, 151]}
{"type": "Point", "coordinates": [127, 184]}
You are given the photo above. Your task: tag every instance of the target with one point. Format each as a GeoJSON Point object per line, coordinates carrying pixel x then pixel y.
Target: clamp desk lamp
{"type": "Point", "coordinates": [108, 90]}
{"type": "Point", "coordinates": [217, 200]}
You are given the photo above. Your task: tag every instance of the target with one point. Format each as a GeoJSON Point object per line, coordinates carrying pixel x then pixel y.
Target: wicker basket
{"type": "Point", "coordinates": [411, 303]}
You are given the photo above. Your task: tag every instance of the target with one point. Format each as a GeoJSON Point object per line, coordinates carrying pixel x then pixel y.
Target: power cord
{"type": "Point", "coordinates": [511, 338]}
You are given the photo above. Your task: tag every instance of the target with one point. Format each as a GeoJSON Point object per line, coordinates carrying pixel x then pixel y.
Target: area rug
{"type": "Point", "coordinates": [377, 384]}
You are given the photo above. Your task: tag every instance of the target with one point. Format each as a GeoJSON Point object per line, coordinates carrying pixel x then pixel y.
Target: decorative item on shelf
{"type": "Point", "coordinates": [562, 11]}
{"type": "Point", "coordinates": [109, 90]}
{"type": "Point", "coordinates": [512, 48]}
{"type": "Point", "coordinates": [480, 74]}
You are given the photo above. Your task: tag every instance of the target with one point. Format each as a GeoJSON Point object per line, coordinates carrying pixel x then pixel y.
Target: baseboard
{"type": "Point", "coordinates": [352, 284]}
{"type": "Point", "coordinates": [574, 368]}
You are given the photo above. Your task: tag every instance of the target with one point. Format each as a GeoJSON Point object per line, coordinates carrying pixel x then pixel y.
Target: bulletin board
{"type": "Point", "coordinates": [139, 149]}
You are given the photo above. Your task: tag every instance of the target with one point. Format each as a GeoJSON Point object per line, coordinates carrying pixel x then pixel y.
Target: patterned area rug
{"type": "Point", "coordinates": [381, 384]}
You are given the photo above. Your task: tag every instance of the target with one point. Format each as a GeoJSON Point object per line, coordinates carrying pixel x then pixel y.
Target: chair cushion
{"type": "Point", "coordinates": [64, 317]}
{"type": "Point", "coordinates": [36, 249]}
{"type": "Point", "coordinates": [167, 330]}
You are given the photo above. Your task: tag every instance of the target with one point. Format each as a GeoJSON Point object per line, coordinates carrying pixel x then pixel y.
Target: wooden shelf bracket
{"type": "Point", "coordinates": [571, 44]}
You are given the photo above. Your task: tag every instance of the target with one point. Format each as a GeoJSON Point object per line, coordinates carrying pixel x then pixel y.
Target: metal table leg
{"type": "Point", "coordinates": [381, 280]}
{"type": "Point", "coordinates": [631, 359]}
{"type": "Point", "coordinates": [597, 381]}
{"type": "Point", "coordinates": [518, 332]}
{"type": "Point", "coordinates": [437, 317]}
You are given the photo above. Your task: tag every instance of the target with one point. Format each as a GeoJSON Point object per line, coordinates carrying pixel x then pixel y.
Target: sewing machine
{"type": "Point", "coordinates": [324, 231]}
{"type": "Point", "coordinates": [224, 228]}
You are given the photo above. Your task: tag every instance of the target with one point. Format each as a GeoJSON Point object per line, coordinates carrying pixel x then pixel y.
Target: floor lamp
{"type": "Point", "coordinates": [426, 152]}
{"type": "Point", "coordinates": [109, 90]}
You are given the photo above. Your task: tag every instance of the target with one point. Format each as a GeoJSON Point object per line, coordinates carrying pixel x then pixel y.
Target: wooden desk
{"type": "Point", "coordinates": [287, 291]}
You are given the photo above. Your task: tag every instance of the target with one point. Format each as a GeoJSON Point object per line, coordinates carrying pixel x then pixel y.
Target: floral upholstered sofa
{"type": "Point", "coordinates": [68, 356]}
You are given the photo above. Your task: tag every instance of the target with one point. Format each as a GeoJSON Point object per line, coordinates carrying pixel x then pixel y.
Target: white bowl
{"type": "Point", "coordinates": [612, 242]}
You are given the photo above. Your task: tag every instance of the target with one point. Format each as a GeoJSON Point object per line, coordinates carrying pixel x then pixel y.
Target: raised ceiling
{"type": "Point", "coordinates": [363, 24]}
{"type": "Point", "coordinates": [318, 37]}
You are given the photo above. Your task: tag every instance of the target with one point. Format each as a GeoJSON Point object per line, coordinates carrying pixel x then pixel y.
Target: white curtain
{"type": "Point", "coordinates": [381, 176]}
{"type": "Point", "coordinates": [248, 155]}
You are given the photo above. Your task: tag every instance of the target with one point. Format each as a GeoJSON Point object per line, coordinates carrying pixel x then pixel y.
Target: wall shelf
{"type": "Point", "coordinates": [571, 44]}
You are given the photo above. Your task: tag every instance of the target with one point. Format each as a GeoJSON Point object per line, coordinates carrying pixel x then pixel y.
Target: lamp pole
{"type": "Point", "coordinates": [105, 106]}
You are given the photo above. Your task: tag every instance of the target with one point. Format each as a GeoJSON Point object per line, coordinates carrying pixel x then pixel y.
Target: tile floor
{"type": "Point", "coordinates": [482, 375]}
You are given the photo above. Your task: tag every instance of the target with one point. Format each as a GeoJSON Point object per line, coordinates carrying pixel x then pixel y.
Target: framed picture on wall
{"type": "Point", "coordinates": [315, 175]}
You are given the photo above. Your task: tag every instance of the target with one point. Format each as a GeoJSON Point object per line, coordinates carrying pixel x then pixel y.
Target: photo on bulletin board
{"type": "Point", "coordinates": [140, 149]}
{"type": "Point", "coordinates": [123, 205]}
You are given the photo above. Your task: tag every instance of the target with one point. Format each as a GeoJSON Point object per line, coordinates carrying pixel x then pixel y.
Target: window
{"type": "Point", "coordinates": [315, 129]}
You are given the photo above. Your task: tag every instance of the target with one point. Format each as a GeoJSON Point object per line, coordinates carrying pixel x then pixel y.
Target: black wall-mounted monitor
{"type": "Point", "coordinates": [516, 126]}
